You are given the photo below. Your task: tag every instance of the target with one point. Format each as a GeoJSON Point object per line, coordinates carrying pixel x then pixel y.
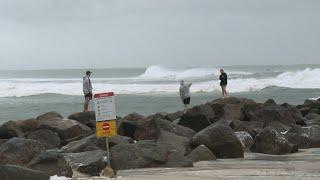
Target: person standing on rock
{"type": "Point", "coordinates": [185, 94]}
{"type": "Point", "coordinates": [223, 82]}
{"type": "Point", "coordinates": [87, 91]}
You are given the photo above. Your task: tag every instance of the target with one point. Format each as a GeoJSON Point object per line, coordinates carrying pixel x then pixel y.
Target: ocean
{"type": "Point", "coordinates": [27, 93]}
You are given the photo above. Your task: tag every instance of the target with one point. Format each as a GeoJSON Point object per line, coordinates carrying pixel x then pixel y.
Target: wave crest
{"type": "Point", "coordinates": [160, 72]}
{"type": "Point", "coordinates": [305, 79]}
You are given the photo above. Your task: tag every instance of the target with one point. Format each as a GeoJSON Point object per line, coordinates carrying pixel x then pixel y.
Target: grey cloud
{"type": "Point", "coordinates": [138, 33]}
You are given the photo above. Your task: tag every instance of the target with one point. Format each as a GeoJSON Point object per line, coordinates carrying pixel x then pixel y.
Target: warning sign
{"type": "Point", "coordinates": [106, 128]}
{"type": "Point", "coordinates": [105, 114]}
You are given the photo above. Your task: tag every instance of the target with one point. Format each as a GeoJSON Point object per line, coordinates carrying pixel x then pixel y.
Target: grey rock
{"type": "Point", "coordinates": [245, 139]}
{"type": "Point", "coordinates": [89, 162]}
{"type": "Point", "coordinates": [9, 130]}
{"type": "Point", "coordinates": [269, 141]}
{"type": "Point", "coordinates": [198, 117]}
{"type": "Point", "coordinates": [48, 138]}
{"type": "Point", "coordinates": [220, 139]}
{"type": "Point", "coordinates": [13, 172]}
{"type": "Point", "coordinates": [51, 163]}
{"type": "Point", "coordinates": [86, 118]}
{"type": "Point", "coordinates": [66, 128]}
{"type": "Point", "coordinates": [201, 153]}
{"type": "Point", "coordinates": [19, 151]}
{"type": "Point", "coordinates": [50, 115]}
{"type": "Point", "coordinates": [146, 154]}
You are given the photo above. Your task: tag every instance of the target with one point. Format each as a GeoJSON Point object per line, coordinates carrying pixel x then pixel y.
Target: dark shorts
{"type": "Point", "coordinates": [186, 101]}
{"type": "Point", "coordinates": [88, 96]}
{"type": "Point", "coordinates": [222, 84]}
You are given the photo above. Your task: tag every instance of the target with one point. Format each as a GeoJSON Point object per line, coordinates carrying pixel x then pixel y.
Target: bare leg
{"type": "Point", "coordinates": [185, 108]}
{"type": "Point", "coordinates": [223, 91]}
{"type": "Point", "coordinates": [86, 106]}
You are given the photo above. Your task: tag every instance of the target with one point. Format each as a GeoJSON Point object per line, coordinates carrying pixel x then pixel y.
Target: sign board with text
{"type": "Point", "coordinates": [105, 111]}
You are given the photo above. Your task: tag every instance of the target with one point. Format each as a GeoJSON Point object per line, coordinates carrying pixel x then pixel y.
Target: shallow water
{"type": "Point", "coordinates": [16, 108]}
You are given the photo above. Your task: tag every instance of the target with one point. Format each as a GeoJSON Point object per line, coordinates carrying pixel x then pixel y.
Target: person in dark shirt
{"type": "Point", "coordinates": [223, 82]}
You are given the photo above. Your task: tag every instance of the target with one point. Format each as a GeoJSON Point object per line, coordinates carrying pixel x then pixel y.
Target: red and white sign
{"type": "Point", "coordinates": [106, 126]}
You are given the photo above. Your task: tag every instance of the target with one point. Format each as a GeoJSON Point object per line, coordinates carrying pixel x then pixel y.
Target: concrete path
{"type": "Point", "coordinates": [302, 165]}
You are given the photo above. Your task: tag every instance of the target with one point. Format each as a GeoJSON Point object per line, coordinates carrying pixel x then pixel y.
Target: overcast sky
{"type": "Point", "coordinates": [137, 33]}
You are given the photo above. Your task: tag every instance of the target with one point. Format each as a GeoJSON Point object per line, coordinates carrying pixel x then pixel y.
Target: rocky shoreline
{"type": "Point", "coordinates": [50, 144]}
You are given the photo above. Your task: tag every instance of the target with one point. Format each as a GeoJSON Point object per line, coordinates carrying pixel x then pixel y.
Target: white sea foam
{"type": "Point", "coordinates": [315, 98]}
{"type": "Point", "coordinates": [308, 78]}
{"type": "Point", "coordinates": [160, 72]}
{"type": "Point", "coordinates": [55, 177]}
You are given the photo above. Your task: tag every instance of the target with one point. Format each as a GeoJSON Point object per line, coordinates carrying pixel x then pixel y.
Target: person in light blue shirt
{"type": "Point", "coordinates": [87, 91]}
{"type": "Point", "coordinates": [185, 94]}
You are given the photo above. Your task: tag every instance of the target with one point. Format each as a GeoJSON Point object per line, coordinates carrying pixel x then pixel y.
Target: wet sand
{"type": "Point", "coordinates": [302, 165]}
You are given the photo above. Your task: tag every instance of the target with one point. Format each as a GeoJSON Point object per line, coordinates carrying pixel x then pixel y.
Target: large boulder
{"type": "Point", "coordinates": [2, 141]}
{"type": "Point", "coordinates": [198, 117]}
{"type": "Point", "coordinates": [146, 154]}
{"type": "Point", "coordinates": [174, 116]}
{"type": "Point", "coordinates": [175, 128]}
{"type": "Point", "coordinates": [89, 162]}
{"type": "Point", "coordinates": [13, 172]}
{"type": "Point", "coordinates": [180, 143]}
{"type": "Point", "coordinates": [295, 113]}
{"type": "Point", "coordinates": [313, 132]}
{"type": "Point", "coordinates": [270, 113]}
{"type": "Point", "coordinates": [146, 130]}
{"type": "Point", "coordinates": [270, 102]}
{"type": "Point", "coordinates": [160, 115]}
{"type": "Point", "coordinates": [177, 159]}
{"type": "Point", "coordinates": [167, 116]}
{"type": "Point", "coordinates": [245, 139]}
{"type": "Point", "coordinates": [269, 141]}
{"type": "Point", "coordinates": [150, 129]}
{"type": "Point", "coordinates": [229, 108]}
{"type": "Point", "coordinates": [308, 106]}
{"type": "Point", "coordinates": [86, 118]}
{"type": "Point", "coordinates": [128, 124]}
{"type": "Point", "coordinates": [27, 126]}
{"type": "Point", "coordinates": [296, 135]}
{"type": "Point", "coordinates": [201, 153]}
{"type": "Point", "coordinates": [88, 143]}
{"type": "Point", "coordinates": [312, 122]}
{"type": "Point", "coordinates": [119, 140]}
{"type": "Point", "coordinates": [66, 128]}
{"type": "Point", "coordinates": [50, 115]}
{"type": "Point", "coordinates": [52, 163]}
{"type": "Point", "coordinates": [91, 143]}
{"type": "Point", "coordinates": [9, 130]}
{"type": "Point", "coordinates": [48, 138]}
{"type": "Point", "coordinates": [233, 100]}
{"type": "Point", "coordinates": [19, 151]}
{"type": "Point", "coordinates": [252, 127]}
{"type": "Point", "coordinates": [278, 126]}
{"type": "Point", "coordinates": [311, 116]}
{"type": "Point", "coordinates": [232, 112]}
{"type": "Point", "coordinates": [220, 139]}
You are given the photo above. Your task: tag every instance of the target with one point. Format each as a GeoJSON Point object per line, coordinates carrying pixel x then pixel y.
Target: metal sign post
{"type": "Point", "coordinates": [105, 118]}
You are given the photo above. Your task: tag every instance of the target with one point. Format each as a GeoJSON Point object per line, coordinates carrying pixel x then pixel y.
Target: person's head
{"type": "Point", "coordinates": [88, 73]}
{"type": "Point", "coordinates": [182, 82]}
{"type": "Point", "coordinates": [221, 71]}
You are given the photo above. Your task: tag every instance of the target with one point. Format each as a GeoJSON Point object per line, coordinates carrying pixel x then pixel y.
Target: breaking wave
{"type": "Point", "coordinates": [204, 80]}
